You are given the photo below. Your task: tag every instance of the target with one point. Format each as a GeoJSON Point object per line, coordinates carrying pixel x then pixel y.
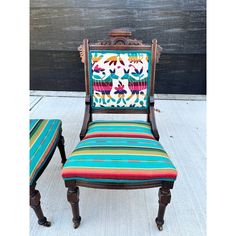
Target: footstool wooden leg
{"type": "Point", "coordinates": [61, 148]}
{"type": "Point", "coordinates": [73, 198]}
{"type": "Point", "coordinates": [35, 204]}
{"type": "Point", "coordinates": [164, 199]}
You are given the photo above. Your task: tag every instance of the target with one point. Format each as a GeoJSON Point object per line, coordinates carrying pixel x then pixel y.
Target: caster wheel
{"type": "Point", "coordinates": [160, 227]}
{"type": "Point", "coordinates": [159, 224]}
{"type": "Point", "coordinates": [47, 224]}
{"type": "Point", "coordinates": [77, 223]}
{"type": "Point", "coordinates": [44, 222]}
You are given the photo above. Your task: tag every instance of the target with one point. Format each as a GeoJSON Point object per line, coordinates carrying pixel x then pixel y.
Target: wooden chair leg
{"type": "Point", "coordinates": [61, 148]}
{"type": "Point", "coordinates": [35, 204]}
{"type": "Point", "coordinates": [73, 198]}
{"type": "Point", "coordinates": [164, 199]}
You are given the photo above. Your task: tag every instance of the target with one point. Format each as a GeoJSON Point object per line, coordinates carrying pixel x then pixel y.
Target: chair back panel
{"type": "Point", "coordinates": [119, 73]}
{"type": "Point", "coordinates": [119, 78]}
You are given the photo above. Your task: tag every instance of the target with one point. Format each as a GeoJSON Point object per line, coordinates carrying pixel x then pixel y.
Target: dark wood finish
{"type": "Point", "coordinates": [87, 118]}
{"type": "Point", "coordinates": [85, 48]}
{"type": "Point", "coordinates": [73, 198]}
{"type": "Point", "coordinates": [119, 47]}
{"type": "Point", "coordinates": [164, 199]}
{"type": "Point", "coordinates": [118, 186]}
{"type": "Point", "coordinates": [152, 120]}
{"type": "Point", "coordinates": [61, 147]}
{"type": "Point", "coordinates": [35, 204]}
{"type": "Point", "coordinates": [153, 66]}
{"type": "Point", "coordinates": [119, 39]}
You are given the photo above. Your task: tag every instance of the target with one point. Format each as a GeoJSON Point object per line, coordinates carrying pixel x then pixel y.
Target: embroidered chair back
{"type": "Point", "coordinates": [120, 72]}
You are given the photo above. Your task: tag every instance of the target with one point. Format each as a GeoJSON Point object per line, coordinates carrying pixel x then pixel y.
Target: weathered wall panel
{"type": "Point", "coordinates": [57, 27]}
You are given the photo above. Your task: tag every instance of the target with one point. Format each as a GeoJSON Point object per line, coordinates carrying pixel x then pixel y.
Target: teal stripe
{"type": "Point", "coordinates": [119, 142]}
{"type": "Point", "coordinates": [117, 165]}
{"type": "Point", "coordinates": [45, 160]}
{"type": "Point", "coordinates": [46, 130]}
{"type": "Point", "coordinates": [121, 129]}
{"type": "Point", "coordinates": [112, 157]}
{"type": "Point", "coordinates": [129, 150]}
{"type": "Point", "coordinates": [33, 123]}
{"type": "Point", "coordinates": [40, 146]}
{"type": "Point", "coordinates": [118, 180]}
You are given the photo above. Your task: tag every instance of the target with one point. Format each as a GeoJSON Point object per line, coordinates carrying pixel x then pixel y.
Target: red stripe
{"type": "Point", "coordinates": [118, 173]}
{"type": "Point", "coordinates": [102, 88]}
{"type": "Point", "coordinates": [119, 135]}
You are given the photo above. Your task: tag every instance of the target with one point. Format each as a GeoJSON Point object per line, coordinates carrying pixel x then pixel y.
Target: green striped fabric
{"type": "Point", "coordinates": [119, 152]}
{"type": "Point", "coordinates": [44, 135]}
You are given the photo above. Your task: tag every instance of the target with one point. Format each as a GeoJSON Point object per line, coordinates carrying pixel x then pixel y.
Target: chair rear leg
{"type": "Point", "coordinates": [164, 199]}
{"type": "Point", "coordinates": [73, 198]}
{"type": "Point", "coordinates": [35, 204]}
{"type": "Point", "coordinates": [61, 148]}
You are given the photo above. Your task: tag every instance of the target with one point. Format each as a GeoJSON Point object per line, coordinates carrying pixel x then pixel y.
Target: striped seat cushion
{"type": "Point", "coordinates": [44, 136]}
{"type": "Point", "coordinates": [119, 152]}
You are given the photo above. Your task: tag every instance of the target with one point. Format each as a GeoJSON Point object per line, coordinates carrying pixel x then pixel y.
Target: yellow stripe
{"type": "Point", "coordinates": [37, 134]}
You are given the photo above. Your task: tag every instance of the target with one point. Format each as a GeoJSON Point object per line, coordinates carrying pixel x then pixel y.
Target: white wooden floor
{"type": "Point", "coordinates": [182, 128]}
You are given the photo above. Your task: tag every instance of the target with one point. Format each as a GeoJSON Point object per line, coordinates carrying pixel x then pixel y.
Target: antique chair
{"type": "Point", "coordinates": [45, 136]}
{"type": "Point", "coordinates": [119, 78]}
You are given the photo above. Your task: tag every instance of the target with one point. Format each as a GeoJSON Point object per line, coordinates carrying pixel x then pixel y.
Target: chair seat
{"type": "Point", "coordinates": [44, 136]}
{"type": "Point", "coordinates": [119, 152]}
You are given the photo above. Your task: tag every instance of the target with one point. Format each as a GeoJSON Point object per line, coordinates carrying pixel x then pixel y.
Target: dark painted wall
{"type": "Point", "coordinates": [57, 28]}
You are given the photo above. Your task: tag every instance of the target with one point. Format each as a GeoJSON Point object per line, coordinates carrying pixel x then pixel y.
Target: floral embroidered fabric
{"type": "Point", "coordinates": [119, 79]}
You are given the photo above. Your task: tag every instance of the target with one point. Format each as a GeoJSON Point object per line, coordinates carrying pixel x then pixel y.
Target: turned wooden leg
{"type": "Point", "coordinates": [73, 198]}
{"type": "Point", "coordinates": [35, 204]}
{"type": "Point", "coordinates": [61, 148]}
{"type": "Point", "coordinates": [164, 199]}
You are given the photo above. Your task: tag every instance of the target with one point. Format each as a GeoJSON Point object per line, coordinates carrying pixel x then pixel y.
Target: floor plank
{"type": "Point", "coordinates": [129, 212]}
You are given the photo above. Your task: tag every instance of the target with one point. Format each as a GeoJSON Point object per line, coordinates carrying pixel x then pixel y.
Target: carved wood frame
{"type": "Point", "coordinates": [119, 39]}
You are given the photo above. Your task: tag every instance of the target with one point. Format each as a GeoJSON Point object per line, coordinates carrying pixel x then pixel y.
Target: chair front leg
{"type": "Point", "coordinates": [164, 199]}
{"type": "Point", "coordinates": [61, 148]}
{"type": "Point", "coordinates": [35, 204]}
{"type": "Point", "coordinates": [73, 198]}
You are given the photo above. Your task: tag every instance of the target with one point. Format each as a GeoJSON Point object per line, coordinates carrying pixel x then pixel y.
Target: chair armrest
{"type": "Point", "coordinates": [87, 118]}
{"type": "Point", "coordinates": [151, 119]}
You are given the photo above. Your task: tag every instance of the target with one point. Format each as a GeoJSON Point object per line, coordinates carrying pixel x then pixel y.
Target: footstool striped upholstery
{"type": "Point", "coordinates": [44, 136]}
{"type": "Point", "coordinates": [119, 152]}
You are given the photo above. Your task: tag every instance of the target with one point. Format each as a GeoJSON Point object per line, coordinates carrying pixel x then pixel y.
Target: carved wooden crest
{"type": "Point", "coordinates": [82, 52]}
{"type": "Point", "coordinates": [118, 37]}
